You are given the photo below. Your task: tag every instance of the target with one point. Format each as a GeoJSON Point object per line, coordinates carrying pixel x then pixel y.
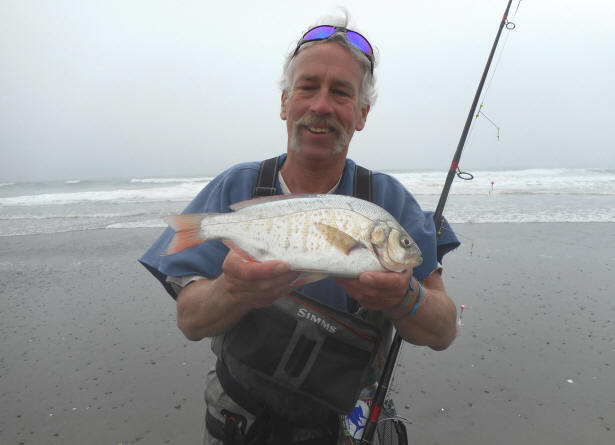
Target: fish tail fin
{"type": "Point", "coordinates": [187, 232]}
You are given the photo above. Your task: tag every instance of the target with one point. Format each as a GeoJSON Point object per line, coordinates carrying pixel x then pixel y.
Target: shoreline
{"type": "Point", "coordinates": [92, 354]}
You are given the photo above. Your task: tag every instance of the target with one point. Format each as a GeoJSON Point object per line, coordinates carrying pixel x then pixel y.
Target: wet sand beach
{"type": "Point", "coordinates": [91, 353]}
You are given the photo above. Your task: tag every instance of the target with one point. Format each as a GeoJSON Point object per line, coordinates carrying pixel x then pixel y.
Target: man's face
{"type": "Point", "coordinates": [322, 110]}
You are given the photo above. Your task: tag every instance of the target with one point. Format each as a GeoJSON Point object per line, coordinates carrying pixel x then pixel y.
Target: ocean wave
{"type": "Point", "coordinates": [588, 182]}
{"type": "Point", "coordinates": [6, 184]}
{"type": "Point", "coordinates": [176, 193]}
{"type": "Point", "coordinates": [73, 181]}
{"type": "Point", "coordinates": [527, 218]}
{"type": "Point", "coordinates": [167, 180]}
{"type": "Point", "coordinates": [521, 182]}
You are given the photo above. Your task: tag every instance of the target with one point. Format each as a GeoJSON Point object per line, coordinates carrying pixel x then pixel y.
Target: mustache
{"type": "Point", "coordinates": [311, 119]}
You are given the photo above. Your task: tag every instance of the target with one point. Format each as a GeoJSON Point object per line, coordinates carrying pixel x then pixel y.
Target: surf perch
{"type": "Point", "coordinates": [326, 235]}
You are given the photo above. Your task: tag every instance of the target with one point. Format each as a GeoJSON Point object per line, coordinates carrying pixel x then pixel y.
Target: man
{"type": "Point", "coordinates": [327, 93]}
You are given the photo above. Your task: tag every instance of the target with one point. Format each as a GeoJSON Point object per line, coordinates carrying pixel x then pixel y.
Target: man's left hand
{"type": "Point", "coordinates": [377, 290]}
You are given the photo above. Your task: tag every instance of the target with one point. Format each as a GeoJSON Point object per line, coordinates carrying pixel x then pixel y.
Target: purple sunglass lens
{"type": "Point", "coordinates": [359, 41]}
{"type": "Point", "coordinates": [320, 32]}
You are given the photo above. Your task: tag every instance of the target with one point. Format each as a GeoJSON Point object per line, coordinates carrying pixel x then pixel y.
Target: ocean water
{"type": "Point", "coordinates": [537, 195]}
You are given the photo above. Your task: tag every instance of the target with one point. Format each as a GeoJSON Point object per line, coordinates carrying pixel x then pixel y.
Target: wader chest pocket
{"type": "Point", "coordinates": [300, 352]}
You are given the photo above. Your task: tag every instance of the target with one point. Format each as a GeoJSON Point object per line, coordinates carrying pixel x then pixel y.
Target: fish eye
{"type": "Point", "coordinates": [405, 242]}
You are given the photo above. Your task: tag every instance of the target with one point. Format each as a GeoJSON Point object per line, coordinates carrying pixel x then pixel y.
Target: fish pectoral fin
{"type": "Point", "coordinates": [337, 238]}
{"type": "Point", "coordinates": [242, 253]}
{"type": "Point", "coordinates": [307, 278]}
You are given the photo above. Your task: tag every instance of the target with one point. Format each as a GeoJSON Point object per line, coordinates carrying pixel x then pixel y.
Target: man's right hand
{"type": "Point", "coordinates": [254, 284]}
{"type": "Point", "coordinates": [207, 308]}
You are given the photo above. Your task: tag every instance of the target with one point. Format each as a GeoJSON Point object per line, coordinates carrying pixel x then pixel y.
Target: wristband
{"type": "Point", "coordinates": [406, 300]}
{"type": "Point", "coordinates": [401, 306]}
{"type": "Point", "coordinates": [414, 308]}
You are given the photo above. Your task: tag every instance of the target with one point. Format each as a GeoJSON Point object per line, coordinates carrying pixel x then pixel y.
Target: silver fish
{"type": "Point", "coordinates": [324, 235]}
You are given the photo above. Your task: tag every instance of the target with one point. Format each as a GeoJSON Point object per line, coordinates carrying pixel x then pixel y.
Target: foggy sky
{"type": "Point", "coordinates": [108, 89]}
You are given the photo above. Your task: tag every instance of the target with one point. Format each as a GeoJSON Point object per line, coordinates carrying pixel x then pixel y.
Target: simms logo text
{"type": "Point", "coordinates": [304, 313]}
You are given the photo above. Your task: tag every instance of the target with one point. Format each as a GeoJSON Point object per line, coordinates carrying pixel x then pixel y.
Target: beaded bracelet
{"type": "Point", "coordinates": [414, 308]}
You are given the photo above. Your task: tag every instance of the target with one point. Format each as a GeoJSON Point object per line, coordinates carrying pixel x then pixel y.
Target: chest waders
{"type": "Point", "coordinates": [274, 360]}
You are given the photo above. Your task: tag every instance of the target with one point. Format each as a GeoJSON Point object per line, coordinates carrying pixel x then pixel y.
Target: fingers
{"type": "Point", "coordinates": [256, 284]}
{"type": "Point", "coordinates": [377, 290]}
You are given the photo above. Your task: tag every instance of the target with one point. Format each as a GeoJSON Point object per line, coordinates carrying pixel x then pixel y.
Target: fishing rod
{"type": "Point", "coordinates": [437, 217]}
{"type": "Point", "coordinates": [387, 371]}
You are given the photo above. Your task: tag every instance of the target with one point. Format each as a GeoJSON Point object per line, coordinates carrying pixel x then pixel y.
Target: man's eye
{"type": "Point", "coordinates": [341, 93]}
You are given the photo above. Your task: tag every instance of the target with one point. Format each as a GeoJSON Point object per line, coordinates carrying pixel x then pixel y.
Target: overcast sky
{"type": "Point", "coordinates": [105, 89]}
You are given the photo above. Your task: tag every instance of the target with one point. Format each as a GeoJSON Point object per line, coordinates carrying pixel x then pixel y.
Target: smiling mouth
{"type": "Point", "coordinates": [318, 130]}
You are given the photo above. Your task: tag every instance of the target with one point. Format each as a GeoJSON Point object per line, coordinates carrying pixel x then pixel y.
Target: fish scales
{"type": "Point", "coordinates": [294, 236]}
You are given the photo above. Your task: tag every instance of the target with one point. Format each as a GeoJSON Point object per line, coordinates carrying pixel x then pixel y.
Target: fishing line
{"type": "Point", "coordinates": [460, 235]}
{"type": "Point", "coordinates": [394, 387]}
{"type": "Point", "coordinates": [510, 25]}
{"type": "Point", "coordinates": [518, 4]}
{"type": "Point", "coordinates": [480, 111]}
{"type": "Point", "coordinates": [497, 62]}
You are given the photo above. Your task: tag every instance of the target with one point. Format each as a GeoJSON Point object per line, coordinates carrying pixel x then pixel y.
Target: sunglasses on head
{"type": "Point", "coordinates": [323, 32]}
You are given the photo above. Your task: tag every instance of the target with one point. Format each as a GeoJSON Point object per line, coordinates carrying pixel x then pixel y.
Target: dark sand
{"type": "Point", "coordinates": [91, 354]}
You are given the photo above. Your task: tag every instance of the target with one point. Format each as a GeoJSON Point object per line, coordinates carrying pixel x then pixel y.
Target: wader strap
{"type": "Point", "coordinates": [233, 431]}
{"type": "Point", "coordinates": [267, 174]}
{"type": "Point", "coordinates": [236, 391]}
{"type": "Point", "coordinates": [362, 183]}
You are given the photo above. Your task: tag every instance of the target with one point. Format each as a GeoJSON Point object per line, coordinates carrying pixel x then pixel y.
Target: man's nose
{"type": "Point", "coordinates": [322, 104]}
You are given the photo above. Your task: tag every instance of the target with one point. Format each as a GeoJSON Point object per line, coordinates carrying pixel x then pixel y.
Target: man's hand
{"type": "Point", "coordinates": [248, 282]}
{"type": "Point", "coordinates": [434, 322]}
{"type": "Point", "coordinates": [377, 290]}
{"type": "Point", "coordinates": [207, 308]}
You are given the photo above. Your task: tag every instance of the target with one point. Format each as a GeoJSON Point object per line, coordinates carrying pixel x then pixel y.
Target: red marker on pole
{"type": "Point", "coordinates": [462, 307]}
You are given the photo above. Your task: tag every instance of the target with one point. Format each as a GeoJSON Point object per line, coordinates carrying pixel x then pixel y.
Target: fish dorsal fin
{"type": "Point", "coordinates": [338, 238]}
{"type": "Point", "coordinates": [263, 199]}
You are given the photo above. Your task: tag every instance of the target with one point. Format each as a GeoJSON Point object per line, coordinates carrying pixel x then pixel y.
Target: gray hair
{"type": "Point", "coordinates": [368, 90]}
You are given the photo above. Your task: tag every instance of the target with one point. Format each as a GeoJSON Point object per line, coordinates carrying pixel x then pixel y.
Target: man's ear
{"type": "Point", "coordinates": [283, 105]}
{"type": "Point", "coordinates": [361, 122]}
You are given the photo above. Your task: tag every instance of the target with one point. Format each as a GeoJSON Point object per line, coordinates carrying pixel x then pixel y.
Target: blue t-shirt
{"type": "Point", "coordinates": [237, 184]}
